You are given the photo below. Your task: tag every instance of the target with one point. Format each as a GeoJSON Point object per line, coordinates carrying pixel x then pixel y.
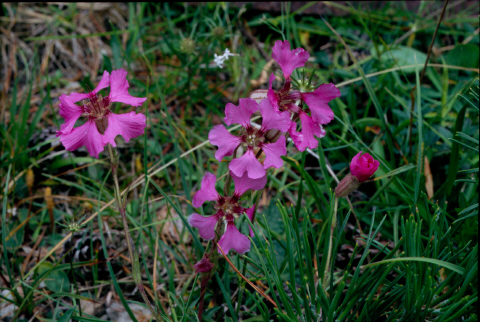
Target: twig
{"type": "Point", "coordinates": [412, 96]}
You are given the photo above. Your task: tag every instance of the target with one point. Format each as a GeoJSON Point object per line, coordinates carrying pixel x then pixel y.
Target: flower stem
{"type": "Point", "coordinates": [333, 224]}
{"type": "Point", "coordinates": [131, 250]}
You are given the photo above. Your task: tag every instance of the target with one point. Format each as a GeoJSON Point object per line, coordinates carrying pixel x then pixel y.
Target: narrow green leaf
{"type": "Point", "coordinates": [448, 265]}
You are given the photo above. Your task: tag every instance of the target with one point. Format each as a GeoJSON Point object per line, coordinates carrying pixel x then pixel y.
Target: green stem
{"type": "Point", "coordinates": [131, 250]}
{"type": "Point", "coordinates": [333, 224]}
{"type": "Point", "coordinates": [74, 278]}
{"type": "Point", "coordinates": [242, 286]}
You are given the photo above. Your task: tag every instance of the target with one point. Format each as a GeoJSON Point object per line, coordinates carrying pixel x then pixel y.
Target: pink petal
{"type": "Point", "coordinates": [207, 191]}
{"type": "Point", "coordinates": [119, 89]}
{"type": "Point", "coordinates": [288, 59]}
{"type": "Point", "coordinates": [128, 125]}
{"type": "Point", "coordinates": [87, 135]}
{"type": "Point", "coordinates": [273, 153]}
{"type": "Point", "coordinates": [240, 114]}
{"type": "Point", "coordinates": [272, 119]}
{"type": "Point", "coordinates": [297, 137]}
{"type": "Point", "coordinates": [226, 142]}
{"type": "Point", "coordinates": [233, 239]}
{"type": "Point", "coordinates": [272, 96]}
{"type": "Point", "coordinates": [244, 183]}
{"type": "Point", "coordinates": [75, 97]}
{"type": "Point", "coordinates": [70, 112]}
{"type": "Point", "coordinates": [205, 225]}
{"type": "Point", "coordinates": [249, 163]}
{"type": "Point", "coordinates": [104, 82]}
{"type": "Point", "coordinates": [250, 212]}
{"type": "Point", "coordinates": [310, 130]}
{"type": "Point", "coordinates": [318, 100]}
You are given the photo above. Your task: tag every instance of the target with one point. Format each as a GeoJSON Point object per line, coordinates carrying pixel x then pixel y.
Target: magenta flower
{"type": "Point", "coordinates": [227, 209]}
{"type": "Point", "coordinates": [363, 166]}
{"type": "Point", "coordinates": [288, 59]}
{"type": "Point", "coordinates": [102, 125]}
{"type": "Point", "coordinates": [254, 139]}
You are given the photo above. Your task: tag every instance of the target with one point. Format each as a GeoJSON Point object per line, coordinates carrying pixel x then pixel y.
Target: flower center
{"type": "Point", "coordinates": [96, 106]}
{"type": "Point", "coordinates": [229, 208]}
{"type": "Point", "coordinates": [254, 139]}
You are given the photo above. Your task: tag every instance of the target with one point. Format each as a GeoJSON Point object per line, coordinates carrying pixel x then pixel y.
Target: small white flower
{"type": "Point", "coordinates": [219, 60]}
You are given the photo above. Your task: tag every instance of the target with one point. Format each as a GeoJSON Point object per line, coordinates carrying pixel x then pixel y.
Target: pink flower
{"type": "Point", "coordinates": [254, 139]}
{"type": "Point", "coordinates": [288, 59]}
{"type": "Point", "coordinates": [227, 209]}
{"type": "Point", "coordinates": [363, 166]}
{"type": "Point", "coordinates": [102, 125]}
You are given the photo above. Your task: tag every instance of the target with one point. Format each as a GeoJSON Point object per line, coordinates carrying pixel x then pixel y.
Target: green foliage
{"type": "Point", "coordinates": [397, 253]}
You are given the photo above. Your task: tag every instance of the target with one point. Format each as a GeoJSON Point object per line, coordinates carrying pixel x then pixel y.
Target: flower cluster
{"type": "Point", "coordinates": [101, 125]}
{"type": "Point", "coordinates": [262, 147]}
{"type": "Point", "coordinates": [227, 209]}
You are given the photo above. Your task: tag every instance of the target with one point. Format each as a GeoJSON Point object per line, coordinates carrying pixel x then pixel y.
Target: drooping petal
{"type": "Point", "coordinates": [205, 225]}
{"type": "Point", "coordinates": [87, 135]}
{"type": "Point", "coordinates": [207, 190]}
{"type": "Point", "coordinates": [226, 142]}
{"type": "Point", "coordinates": [104, 82]}
{"type": "Point", "coordinates": [318, 100]}
{"type": "Point", "coordinates": [288, 59]}
{"type": "Point", "coordinates": [119, 89]}
{"type": "Point", "coordinates": [240, 114]}
{"type": "Point", "coordinates": [129, 125]}
{"type": "Point", "coordinates": [233, 239]}
{"type": "Point", "coordinates": [70, 112]}
{"type": "Point", "coordinates": [272, 96]}
{"type": "Point", "coordinates": [272, 119]}
{"type": "Point", "coordinates": [247, 163]}
{"type": "Point", "coordinates": [250, 212]}
{"type": "Point", "coordinates": [310, 130]}
{"type": "Point", "coordinates": [297, 137]}
{"type": "Point", "coordinates": [244, 183]}
{"type": "Point", "coordinates": [273, 153]}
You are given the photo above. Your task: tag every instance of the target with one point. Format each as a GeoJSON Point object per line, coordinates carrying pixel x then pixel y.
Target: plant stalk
{"type": "Point", "coordinates": [333, 224]}
{"type": "Point", "coordinates": [131, 250]}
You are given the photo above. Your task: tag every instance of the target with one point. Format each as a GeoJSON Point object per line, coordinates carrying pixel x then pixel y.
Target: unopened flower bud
{"type": "Point", "coordinates": [30, 178]}
{"type": "Point", "coordinates": [363, 166]}
{"type": "Point", "coordinates": [203, 266]}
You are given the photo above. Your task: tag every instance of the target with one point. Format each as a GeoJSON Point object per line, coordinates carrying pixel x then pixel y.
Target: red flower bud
{"type": "Point", "coordinates": [203, 266]}
{"type": "Point", "coordinates": [363, 166]}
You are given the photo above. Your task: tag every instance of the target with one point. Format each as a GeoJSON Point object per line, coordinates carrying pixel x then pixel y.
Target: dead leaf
{"type": "Point", "coordinates": [428, 178]}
